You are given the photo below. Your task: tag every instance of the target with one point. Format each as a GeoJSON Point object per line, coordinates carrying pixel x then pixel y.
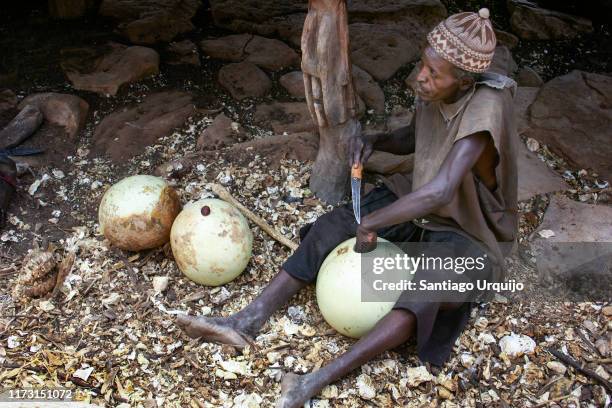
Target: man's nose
{"type": "Point", "coordinates": [421, 76]}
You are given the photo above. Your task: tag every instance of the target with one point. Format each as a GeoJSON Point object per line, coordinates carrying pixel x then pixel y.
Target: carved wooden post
{"type": "Point", "coordinates": [330, 94]}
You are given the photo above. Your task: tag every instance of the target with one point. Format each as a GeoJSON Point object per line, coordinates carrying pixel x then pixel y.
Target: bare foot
{"type": "Point", "coordinates": [217, 330]}
{"type": "Point", "coordinates": [296, 390]}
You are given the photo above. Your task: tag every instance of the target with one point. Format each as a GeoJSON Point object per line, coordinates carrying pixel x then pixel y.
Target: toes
{"type": "Point", "coordinates": [183, 320]}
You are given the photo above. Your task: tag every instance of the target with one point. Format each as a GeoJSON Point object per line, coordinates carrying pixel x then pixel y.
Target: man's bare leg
{"type": "Point", "coordinates": [240, 328]}
{"type": "Point", "coordinates": [391, 331]}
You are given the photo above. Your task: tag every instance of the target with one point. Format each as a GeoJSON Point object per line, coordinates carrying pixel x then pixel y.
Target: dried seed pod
{"type": "Point", "coordinates": [42, 287]}
{"type": "Point", "coordinates": [37, 265]}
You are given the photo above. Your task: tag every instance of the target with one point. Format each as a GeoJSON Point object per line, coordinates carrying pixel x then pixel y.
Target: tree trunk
{"type": "Point", "coordinates": [330, 95]}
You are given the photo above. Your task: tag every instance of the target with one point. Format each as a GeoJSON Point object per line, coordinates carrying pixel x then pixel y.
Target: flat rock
{"type": "Point", "coordinates": [528, 77]}
{"type": "Point", "coordinates": [531, 22]}
{"type": "Point", "coordinates": [67, 111]}
{"type": "Point", "coordinates": [183, 52]}
{"type": "Point", "coordinates": [149, 22]}
{"type": "Point", "coordinates": [523, 99]}
{"type": "Point", "coordinates": [381, 50]}
{"type": "Point", "coordinates": [576, 252]}
{"type": "Point", "coordinates": [369, 90]}
{"type": "Point", "coordinates": [293, 82]}
{"type": "Point", "coordinates": [572, 115]}
{"type": "Point", "coordinates": [128, 131]}
{"type": "Point", "coordinates": [221, 133]}
{"type": "Point", "coordinates": [290, 117]}
{"type": "Point", "coordinates": [228, 48]}
{"type": "Point", "coordinates": [105, 69]}
{"type": "Point", "coordinates": [244, 80]}
{"type": "Point", "coordinates": [302, 146]}
{"type": "Point", "coordinates": [270, 53]}
{"type": "Point", "coordinates": [534, 176]}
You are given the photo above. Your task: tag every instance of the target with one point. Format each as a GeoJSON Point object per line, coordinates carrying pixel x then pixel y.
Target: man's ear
{"type": "Point", "coordinates": [466, 82]}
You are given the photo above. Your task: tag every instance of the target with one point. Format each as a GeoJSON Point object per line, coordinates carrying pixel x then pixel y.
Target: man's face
{"type": "Point", "coordinates": [436, 80]}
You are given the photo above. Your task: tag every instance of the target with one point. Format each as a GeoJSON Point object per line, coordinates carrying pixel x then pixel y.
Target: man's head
{"type": "Point", "coordinates": [460, 47]}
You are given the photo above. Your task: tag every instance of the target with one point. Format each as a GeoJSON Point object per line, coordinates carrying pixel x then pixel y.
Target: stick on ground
{"type": "Point", "coordinates": [580, 367]}
{"type": "Point", "coordinates": [225, 195]}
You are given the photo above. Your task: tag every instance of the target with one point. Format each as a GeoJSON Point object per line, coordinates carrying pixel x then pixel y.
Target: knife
{"type": "Point", "coordinates": [356, 171]}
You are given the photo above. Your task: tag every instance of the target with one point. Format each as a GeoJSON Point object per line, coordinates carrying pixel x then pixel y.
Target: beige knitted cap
{"type": "Point", "coordinates": [466, 40]}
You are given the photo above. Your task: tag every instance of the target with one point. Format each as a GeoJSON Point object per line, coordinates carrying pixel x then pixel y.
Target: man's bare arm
{"type": "Point", "coordinates": [399, 141]}
{"type": "Point", "coordinates": [438, 192]}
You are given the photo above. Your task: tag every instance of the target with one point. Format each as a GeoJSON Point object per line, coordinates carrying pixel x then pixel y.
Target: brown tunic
{"type": "Point", "coordinates": [488, 217]}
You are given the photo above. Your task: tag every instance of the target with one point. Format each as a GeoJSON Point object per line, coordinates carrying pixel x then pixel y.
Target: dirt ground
{"type": "Point", "coordinates": [110, 323]}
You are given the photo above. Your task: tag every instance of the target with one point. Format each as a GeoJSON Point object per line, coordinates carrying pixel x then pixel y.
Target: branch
{"type": "Point", "coordinates": [580, 367]}
{"type": "Point", "coordinates": [225, 195]}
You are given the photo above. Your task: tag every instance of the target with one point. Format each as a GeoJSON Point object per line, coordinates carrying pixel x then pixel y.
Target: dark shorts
{"type": "Point", "coordinates": [437, 330]}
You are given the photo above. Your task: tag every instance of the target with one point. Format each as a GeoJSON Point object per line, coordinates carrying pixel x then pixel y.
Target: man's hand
{"type": "Point", "coordinates": [366, 240]}
{"type": "Point", "coordinates": [360, 148]}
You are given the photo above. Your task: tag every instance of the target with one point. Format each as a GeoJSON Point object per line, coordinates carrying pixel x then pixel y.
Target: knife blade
{"type": "Point", "coordinates": [356, 173]}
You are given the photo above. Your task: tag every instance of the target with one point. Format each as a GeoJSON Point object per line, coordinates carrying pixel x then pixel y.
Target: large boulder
{"type": "Point", "coordinates": [572, 115]}
{"type": "Point", "coordinates": [244, 80]}
{"type": "Point", "coordinates": [264, 52]}
{"type": "Point", "coordinates": [128, 131]}
{"type": "Point", "coordinates": [531, 22]}
{"type": "Point", "coordinates": [409, 20]}
{"type": "Point", "coordinates": [149, 22]}
{"type": "Point", "coordinates": [67, 111]}
{"type": "Point", "coordinates": [105, 69]}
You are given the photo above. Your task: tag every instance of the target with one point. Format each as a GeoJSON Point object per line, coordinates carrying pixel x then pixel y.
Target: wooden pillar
{"type": "Point", "coordinates": [330, 95]}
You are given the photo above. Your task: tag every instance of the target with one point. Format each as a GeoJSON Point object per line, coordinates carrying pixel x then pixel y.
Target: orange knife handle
{"type": "Point", "coordinates": [357, 170]}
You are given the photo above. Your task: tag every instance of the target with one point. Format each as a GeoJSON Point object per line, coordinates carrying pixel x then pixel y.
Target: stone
{"type": "Point", "coordinates": [67, 9]}
{"type": "Point", "coordinates": [104, 70]}
{"type": "Point", "coordinates": [517, 344]}
{"type": "Point", "coordinates": [183, 52]}
{"type": "Point", "coordinates": [228, 48]}
{"type": "Point", "coordinates": [264, 52]}
{"type": "Point", "coordinates": [528, 77]}
{"type": "Point", "coordinates": [221, 133]}
{"type": "Point", "coordinates": [572, 115]}
{"type": "Point", "coordinates": [505, 38]}
{"type": "Point", "coordinates": [293, 82]}
{"type": "Point", "coordinates": [576, 258]}
{"type": "Point", "coordinates": [534, 176]}
{"type": "Point", "coordinates": [301, 146]}
{"type": "Point", "coordinates": [270, 54]}
{"type": "Point", "coordinates": [244, 80]}
{"type": "Point", "coordinates": [129, 130]}
{"type": "Point", "coordinates": [503, 63]}
{"type": "Point", "coordinates": [523, 98]}
{"type": "Point", "coordinates": [381, 50]}
{"type": "Point", "coordinates": [369, 90]}
{"type": "Point", "coordinates": [290, 117]}
{"type": "Point", "coordinates": [572, 221]}
{"type": "Point", "coordinates": [150, 22]}
{"type": "Point", "coordinates": [67, 111]}
{"type": "Point", "coordinates": [531, 22]}
{"type": "Point", "coordinates": [285, 19]}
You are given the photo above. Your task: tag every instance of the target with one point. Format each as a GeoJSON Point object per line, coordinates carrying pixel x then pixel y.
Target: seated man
{"type": "Point", "coordinates": [463, 191]}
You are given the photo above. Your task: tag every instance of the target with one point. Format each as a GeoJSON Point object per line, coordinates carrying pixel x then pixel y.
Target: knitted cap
{"type": "Point", "coordinates": [466, 40]}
